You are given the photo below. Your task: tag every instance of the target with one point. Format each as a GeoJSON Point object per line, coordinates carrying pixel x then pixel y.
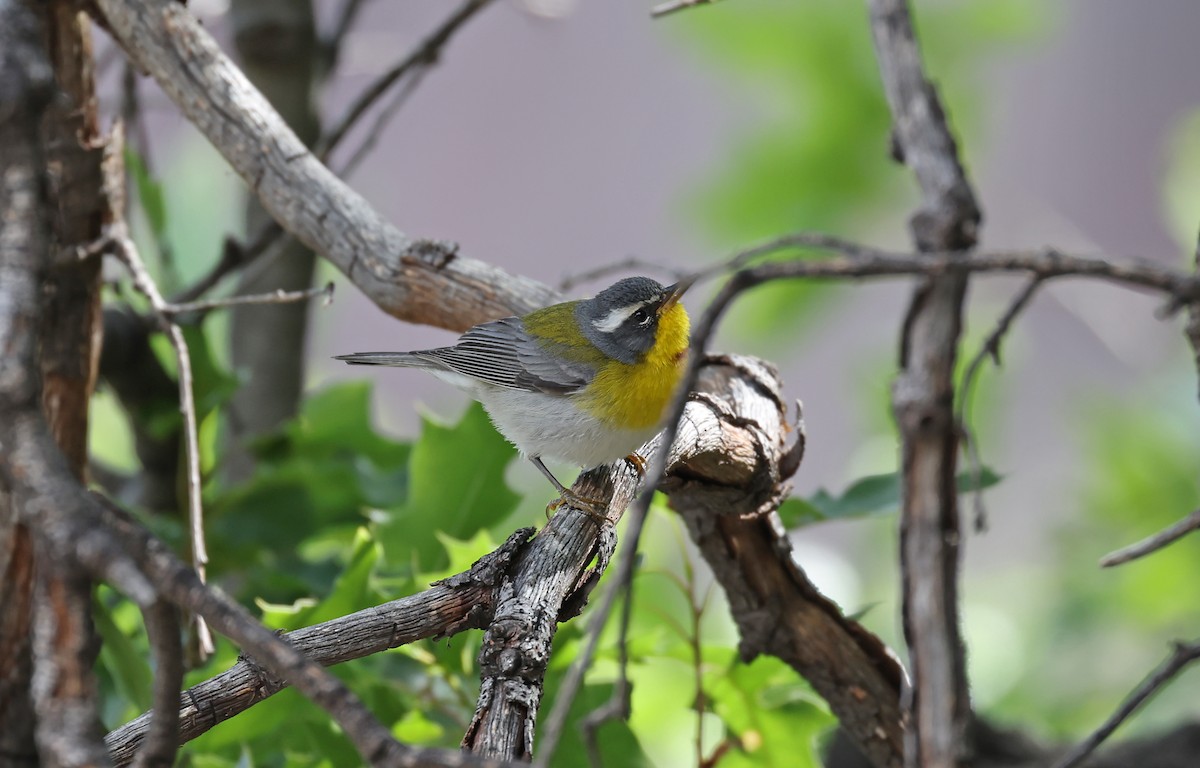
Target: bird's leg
{"type": "Point", "coordinates": [638, 463]}
{"type": "Point", "coordinates": [594, 508]}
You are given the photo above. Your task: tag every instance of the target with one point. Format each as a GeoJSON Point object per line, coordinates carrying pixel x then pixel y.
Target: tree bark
{"type": "Point", "coordinates": [923, 401]}
{"type": "Point", "coordinates": [277, 43]}
{"type": "Point", "coordinates": [69, 343]}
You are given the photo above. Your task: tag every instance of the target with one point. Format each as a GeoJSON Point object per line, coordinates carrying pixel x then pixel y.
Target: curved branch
{"type": "Point", "coordinates": [419, 280]}
{"type": "Point", "coordinates": [460, 602]}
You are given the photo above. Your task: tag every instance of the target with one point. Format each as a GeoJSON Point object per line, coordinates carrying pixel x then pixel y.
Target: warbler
{"type": "Point", "coordinates": [583, 382]}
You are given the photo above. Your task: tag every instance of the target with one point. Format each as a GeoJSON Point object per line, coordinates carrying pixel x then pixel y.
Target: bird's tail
{"type": "Point", "coordinates": [399, 359]}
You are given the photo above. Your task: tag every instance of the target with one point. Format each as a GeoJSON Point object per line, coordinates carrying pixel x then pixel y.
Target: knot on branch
{"type": "Point", "coordinates": [433, 254]}
{"type": "Point", "coordinates": [739, 421]}
{"type": "Point", "coordinates": [266, 684]}
{"type": "Point", "coordinates": [952, 228]}
{"type": "Point", "coordinates": [490, 570]}
{"type": "Point", "coordinates": [506, 653]}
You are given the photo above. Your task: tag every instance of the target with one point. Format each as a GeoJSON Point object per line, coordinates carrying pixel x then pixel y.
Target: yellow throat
{"type": "Point", "coordinates": [634, 396]}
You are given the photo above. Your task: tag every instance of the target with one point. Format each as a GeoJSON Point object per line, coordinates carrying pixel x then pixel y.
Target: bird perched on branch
{"type": "Point", "coordinates": [584, 382]}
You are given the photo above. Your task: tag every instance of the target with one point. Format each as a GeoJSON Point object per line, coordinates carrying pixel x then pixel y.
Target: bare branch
{"type": "Point", "coordinates": [663, 9]}
{"type": "Point", "coordinates": [425, 55]}
{"type": "Point", "coordinates": [922, 401]}
{"type": "Point", "coordinates": [455, 604]}
{"type": "Point", "coordinates": [1191, 330]}
{"type": "Point", "coordinates": [420, 280]}
{"type": "Point", "coordinates": [337, 38]}
{"type": "Point", "coordinates": [1153, 543]}
{"type": "Point", "coordinates": [990, 348]}
{"type": "Point", "coordinates": [363, 150]}
{"type": "Point", "coordinates": [275, 297]}
{"type": "Point", "coordinates": [616, 267]}
{"type": "Point", "coordinates": [234, 256]}
{"type": "Point", "coordinates": [162, 736]}
{"type": "Point", "coordinates": [117, 234]}
{"type": "Point", "coordinates": [1181, 656]}
{"type": "Point", "coordinates": [857, 260]}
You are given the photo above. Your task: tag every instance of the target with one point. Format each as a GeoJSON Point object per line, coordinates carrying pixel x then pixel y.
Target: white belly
{"type": "Point", "coordinates": [551, 426]}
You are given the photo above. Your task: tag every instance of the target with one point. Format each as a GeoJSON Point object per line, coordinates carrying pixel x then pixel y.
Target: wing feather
{"type": "Point", "coordinates": [503, 354]}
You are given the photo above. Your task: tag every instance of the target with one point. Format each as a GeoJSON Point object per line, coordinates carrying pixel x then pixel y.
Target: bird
{"type": "Point", "coordinates": [583, 382]}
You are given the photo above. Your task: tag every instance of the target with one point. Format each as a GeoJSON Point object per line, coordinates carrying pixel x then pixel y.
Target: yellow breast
{"type": "Point", "coordinates": [635, 396]}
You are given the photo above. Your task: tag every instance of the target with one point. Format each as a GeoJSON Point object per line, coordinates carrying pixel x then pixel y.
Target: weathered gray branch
{"type": "Point", "coordinates": [461, 602]}
{"type": "Point", "coordinates": [729, 508]}
{"type": "Point", "coordinates": [419, 280]}
{"type": "Point", "coordinates": [723, 438]}
{"type": "Point", "coordinates": [923, 401]}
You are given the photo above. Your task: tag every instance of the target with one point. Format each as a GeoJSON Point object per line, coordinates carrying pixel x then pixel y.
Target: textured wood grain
{"type": "Point", "coordinates": [923, 400]}
{"type": "Point", "coordinates": [423, 281]}
{"type": "Point", "coordinates": [728, 499]}
{"type": "Point", "coordinates": [461, 602]}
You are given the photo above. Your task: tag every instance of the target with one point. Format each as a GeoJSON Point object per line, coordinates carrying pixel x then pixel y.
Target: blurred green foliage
{"type": "Point", "coordinates": [1139, 477]}
{"type": "Point", "coordinates": [338, 518]}
{"type": "Point", "coordinates": [813, 152]}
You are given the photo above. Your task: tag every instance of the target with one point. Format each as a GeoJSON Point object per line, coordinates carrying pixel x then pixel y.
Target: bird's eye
{"type": "Point", "coordinates": [641, 317]}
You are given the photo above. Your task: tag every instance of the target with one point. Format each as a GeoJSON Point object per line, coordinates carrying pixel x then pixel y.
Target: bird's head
{"type": "Point", "coordinates": [635, 316]}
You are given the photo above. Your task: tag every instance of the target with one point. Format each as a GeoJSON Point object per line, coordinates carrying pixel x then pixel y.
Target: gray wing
{"type": "Point", "coordinates": [502, 353]}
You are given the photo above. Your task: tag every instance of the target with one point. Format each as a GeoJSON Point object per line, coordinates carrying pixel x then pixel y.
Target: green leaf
{"type": "Point", "coordinates": [415, 728]}
{"type": "Point", "coordinates": [351, 591]}
{"type": "Point", "coordinates": [212, 385]}
{"type": "Point", "coordinates": [337, 420]}
{"type": "Point", "coordinates": [774, 714]}
{"type": "Point", "coordinates": [866, 497]}
{"type": "Point", "coordinates": [125, 659]}
{"type": "Point", "coordinates": [456, 476]}
{"type": "Point", "coordinates": [617, 743]}
{"type": "Point", "coordinates": [149, 194]}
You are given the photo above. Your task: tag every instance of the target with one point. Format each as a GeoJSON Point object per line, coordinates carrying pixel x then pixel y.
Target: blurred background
{"type": "Point", "coordinates": [555, 136]}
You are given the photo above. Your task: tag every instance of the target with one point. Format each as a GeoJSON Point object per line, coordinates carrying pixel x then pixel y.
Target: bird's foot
{"type": "Point", "coordinates": [638, 463]}
{"type": "Point", "coordinates": [593, 508]}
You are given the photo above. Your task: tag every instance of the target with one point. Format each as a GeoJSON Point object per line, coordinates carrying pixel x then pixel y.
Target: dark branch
{"type": "Point", "coordinates": [423, 56]}
{"type": "Point", "coordinates": [1153, 543]}
{"type": "Point", "coordinates": [455, 604]}
{"type": "Point", "coordinates": [420, 280]}
{"type": "Point", "coordinates": [162, 736]}
{"type": "Point", "coordinates": [939, 711]}
{"type": "Point", "coordinates": [990, 348]}
{"type": "Point", "coordinates": [1181, 656]}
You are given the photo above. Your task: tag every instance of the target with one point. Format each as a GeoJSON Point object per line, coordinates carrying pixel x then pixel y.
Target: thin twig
{"type": "Point", "coordinates": [1182, 655]}
{"type": "Point", "coordinates": [279, 296]}
{"type": "Point", "coordinates": [162, 737]}
{"type": "Point", "coordinates": [853, 260]}
{"type": "Point", "coordinates": [663, 9]}
{"type": "Point", "coordinates": [381, 121]}
{"type": "Point", "coordinates": [234, 256]}
{"type": "Point", "coordinates": [990, 348]}
{"type": "Point", "coordinates": [424, 55]}
{"type": "Point", "coordinates": [337, 38]}
{"type": "Point", "coordinates": [618, 704]}
{"type": "Point", "coordinates": [126, 251]}
{"type": "Point", "coordinates": [624, 265]}
{"type": "Point", "coordinates": [1153, 543]}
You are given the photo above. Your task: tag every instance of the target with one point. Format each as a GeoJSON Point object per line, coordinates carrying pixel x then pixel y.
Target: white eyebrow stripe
{"type": "Point", "coordinates": [615, 317]}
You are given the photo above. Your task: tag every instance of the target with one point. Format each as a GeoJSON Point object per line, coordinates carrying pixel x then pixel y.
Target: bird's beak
{"type": "Point", "coordinates": [675, 292]}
